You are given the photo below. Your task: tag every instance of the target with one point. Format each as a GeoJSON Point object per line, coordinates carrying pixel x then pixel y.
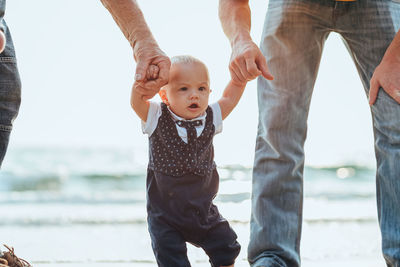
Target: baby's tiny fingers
{"type": "Point", "coordinates": [152, 72]}
{"type": "Point", "coordinates": [155, 70]}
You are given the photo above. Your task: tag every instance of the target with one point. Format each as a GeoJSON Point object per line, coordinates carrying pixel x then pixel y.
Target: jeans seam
{"type": "Point", "coordinates": [5, 128]}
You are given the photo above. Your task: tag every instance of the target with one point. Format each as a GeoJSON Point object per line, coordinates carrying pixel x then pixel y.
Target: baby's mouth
{"type": "Point", "coordinates": [193, 105]}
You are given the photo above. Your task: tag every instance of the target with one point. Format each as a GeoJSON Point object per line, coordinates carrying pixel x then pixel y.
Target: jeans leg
{"type": "Point", "coordinates": [292, 42]}
{"type": "Point", "coordinates": [2, 10]}
{"type": "Point", "coordinates": [10, 89]}
{"type": "Point", "coordinates": [374, 27]}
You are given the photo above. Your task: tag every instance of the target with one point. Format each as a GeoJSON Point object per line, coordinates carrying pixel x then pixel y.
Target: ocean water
{"type": "Point", "coordinates": [83, 205]}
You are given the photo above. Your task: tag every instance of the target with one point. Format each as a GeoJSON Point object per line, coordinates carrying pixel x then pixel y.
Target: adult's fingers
{"type": "Point", "coordinates": [236, 74]}
{"type": "Point", "coordinates": [242, 68]}
{"type": "Point", "coordinates": [152, 87]}
{"type": "Point", "coordinates": [252, 68]}
{"type": "Point", "coordinates": [141, 70]}
{"type": "Point", "coordinates": [393, 91]}
{"type": "Point", "coordinates": [146, 88]}
{"type": "Point", "coordinates": [235, 77]}
{"type": "Point", "coordinates": [140, 90]}
{"type": "Point", "coordinates": [373, 91]}
{"type": "Point", "coordinates": [163, 74]}
{"type": "Point", "coordinates": [396, 96]}
{"type": "Point", "coordinates": [262, 66]}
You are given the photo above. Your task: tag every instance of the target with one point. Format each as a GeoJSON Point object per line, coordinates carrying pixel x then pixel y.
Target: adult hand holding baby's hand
{"type": "Point", "coordinates": [152, 69]}
{"type": "Point", "coordinates": [152, 74]}
{"type": "Point", "coordinates": [141, 88]}
{"type": "Point", "coordinates": [247, 62]}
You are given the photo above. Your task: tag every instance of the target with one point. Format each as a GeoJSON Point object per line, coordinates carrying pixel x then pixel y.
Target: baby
{"type": "Point", "coordinates": [182, 179]}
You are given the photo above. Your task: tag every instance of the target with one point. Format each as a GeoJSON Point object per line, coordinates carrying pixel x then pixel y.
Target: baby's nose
{"type": "Point", "coordinates": [194, 95]}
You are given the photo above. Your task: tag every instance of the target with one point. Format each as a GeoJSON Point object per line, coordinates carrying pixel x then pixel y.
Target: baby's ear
{"type": "Point", "coordinates": [163, 95]}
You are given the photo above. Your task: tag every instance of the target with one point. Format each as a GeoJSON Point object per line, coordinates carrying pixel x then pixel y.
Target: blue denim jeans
{"type": "Point", "coordinates": [292, 42]}
{"type": "Point", "coordinates": [10, 86]}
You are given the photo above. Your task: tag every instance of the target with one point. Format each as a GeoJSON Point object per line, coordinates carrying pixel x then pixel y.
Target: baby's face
{"type": "Point", "coordinates": [188, 89]}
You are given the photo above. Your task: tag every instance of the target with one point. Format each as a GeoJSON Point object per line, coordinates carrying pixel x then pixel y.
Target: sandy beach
{"type": "Point", "coordinates": [323, 244]}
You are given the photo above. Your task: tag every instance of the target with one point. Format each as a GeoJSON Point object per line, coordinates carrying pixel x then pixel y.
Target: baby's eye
{"type": "Point", "coordinates": [202, 88]}
{"type": "Point", "coordinates": [183, 89]}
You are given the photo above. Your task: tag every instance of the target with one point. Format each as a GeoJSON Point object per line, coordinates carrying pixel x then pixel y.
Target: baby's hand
{"type": "Point", "coordinates": [148, 87]}
{"type": "Point", "coordinates": [152, 72]}
{"type": "Point", "coordinates": [2, 41]}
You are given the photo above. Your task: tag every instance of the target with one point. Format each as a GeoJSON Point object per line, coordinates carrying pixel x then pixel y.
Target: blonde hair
{"type": "Point", "coordinates": [185, 59]}
{"type": "Point", "coordinates": [188, 59]}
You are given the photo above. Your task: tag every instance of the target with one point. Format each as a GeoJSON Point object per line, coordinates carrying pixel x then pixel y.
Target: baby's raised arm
{"type": "Point", "coordinates": [140, 95]}
{"type": "Point", "coordinates": [230, 97]}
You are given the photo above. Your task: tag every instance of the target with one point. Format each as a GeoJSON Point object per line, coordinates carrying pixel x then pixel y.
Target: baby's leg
{"type": "Point", "coordinates": [220, 245]}
{"type": "Point", "coordinates": [169, 246]}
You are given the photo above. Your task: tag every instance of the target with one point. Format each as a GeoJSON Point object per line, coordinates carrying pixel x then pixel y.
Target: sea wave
{"type": "Point", "coordinates": [53, 176]}
{"type": "Point", "coordinates": [99, 176]}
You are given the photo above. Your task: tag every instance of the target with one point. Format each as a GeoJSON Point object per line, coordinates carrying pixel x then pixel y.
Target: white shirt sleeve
{"type": "Point", "coordinates": [153, 115]}
{"type": "Point", "coordinates": [217, 117]}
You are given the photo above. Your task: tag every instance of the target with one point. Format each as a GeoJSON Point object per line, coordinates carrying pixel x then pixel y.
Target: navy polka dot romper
{"type": "Point", "coordinates": [182, 182]}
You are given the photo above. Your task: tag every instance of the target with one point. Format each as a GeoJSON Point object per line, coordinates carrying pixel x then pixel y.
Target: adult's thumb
{"type": "Point", "coordinates": [373, 91]}
{"type": "Point", "coordinates": [140, 73]}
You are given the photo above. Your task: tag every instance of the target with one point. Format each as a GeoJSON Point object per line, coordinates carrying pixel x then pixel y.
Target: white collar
{"type": "Point", "coordinates": [175, 117]}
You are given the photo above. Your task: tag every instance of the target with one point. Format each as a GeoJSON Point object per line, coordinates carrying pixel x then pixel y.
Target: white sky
{"type": "Point", "coordinates": [77, 70]}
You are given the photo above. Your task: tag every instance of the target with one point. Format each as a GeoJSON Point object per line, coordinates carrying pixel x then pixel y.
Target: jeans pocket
{"type": "Point", "coordinates": [8, 72]}
{"type": "Point", "coordinates": [10, 84]}
{"type": "Point", "coordinates": [10, 92]}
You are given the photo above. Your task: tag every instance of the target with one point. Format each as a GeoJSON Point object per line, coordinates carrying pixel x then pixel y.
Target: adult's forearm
{"type": "Point", "coordinates": [235, 16]}
{"type": "Point", "coordinates": [130, 20]}
{"type": "Point", "coordinates": [246, 62]}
